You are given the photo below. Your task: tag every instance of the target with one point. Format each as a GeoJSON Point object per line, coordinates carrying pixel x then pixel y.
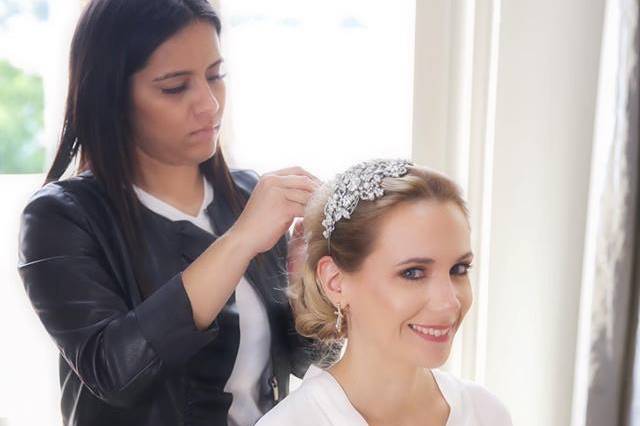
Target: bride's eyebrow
{"type": "Point", "coordinates": [468, 255]}
{"type": "Point", "coordinates": [421, 260]}
{"type": "Point", "coordinates": [183, 73]}
{"type": "Point", "coordinates": [428, 261]}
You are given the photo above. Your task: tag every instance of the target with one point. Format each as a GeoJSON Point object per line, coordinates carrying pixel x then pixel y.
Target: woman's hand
{"type": "Point", "coordinates": [278, 198]}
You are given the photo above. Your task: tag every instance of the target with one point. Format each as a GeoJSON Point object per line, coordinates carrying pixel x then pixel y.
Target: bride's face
{"type": "Point", "coordinates": [412, 292]}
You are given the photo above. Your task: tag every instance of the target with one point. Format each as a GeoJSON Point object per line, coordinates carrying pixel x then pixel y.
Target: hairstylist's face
{"type": "Point", "coordinates": [412, 292]}
{"type": "Point", "coordinates": [177, 99]}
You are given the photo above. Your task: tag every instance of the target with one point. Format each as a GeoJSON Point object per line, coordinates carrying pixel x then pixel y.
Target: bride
{"type": "Point", "coordinates": [388, 256]}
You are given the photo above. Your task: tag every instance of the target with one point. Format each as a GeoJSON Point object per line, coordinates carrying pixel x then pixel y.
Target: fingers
{"type": "Point", "coordinates": [283, 195]}
{"type": "Point", "coordinates": [303, 183]}
{"type": "Point", "coordinates": [296, 171]}
{"type": "Point", "coordinates": [289, 181]}
{"type": "Point", "coordinates": [297, 196]}
{"type": "Point", "coordinates": [295, 210]}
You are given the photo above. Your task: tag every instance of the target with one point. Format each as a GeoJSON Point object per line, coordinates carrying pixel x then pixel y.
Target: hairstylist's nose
{"type": "Point", "coordinates": [207, 105]}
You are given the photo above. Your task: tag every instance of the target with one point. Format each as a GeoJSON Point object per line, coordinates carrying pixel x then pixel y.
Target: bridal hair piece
{"type": "Point", "coordinates": [360, 182]}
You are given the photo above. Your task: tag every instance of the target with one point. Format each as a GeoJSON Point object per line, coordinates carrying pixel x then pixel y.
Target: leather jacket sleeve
{"type": "Point", "coordinates": [117, 350]}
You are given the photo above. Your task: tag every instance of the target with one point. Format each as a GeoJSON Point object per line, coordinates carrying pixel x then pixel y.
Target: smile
{"type": "Point", "coordinates": [433, 334]}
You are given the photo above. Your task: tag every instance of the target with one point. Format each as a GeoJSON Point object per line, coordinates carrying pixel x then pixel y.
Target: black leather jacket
{"type": "Point", "coordinates": [125, 360]}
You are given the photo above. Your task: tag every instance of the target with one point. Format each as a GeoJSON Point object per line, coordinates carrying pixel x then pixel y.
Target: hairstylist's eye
{"type": "Point", "coordinates": [217, 77]}
{"type": "Point", "coordinates": [174, 90]}
{"type": "Point", "coordinates": [460, 269]}
{"type": "Point", "coordinates": [413, 274]}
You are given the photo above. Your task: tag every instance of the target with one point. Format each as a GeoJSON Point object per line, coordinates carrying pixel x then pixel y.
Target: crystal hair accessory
{"type": "Point", "coordinates": [360, 182]}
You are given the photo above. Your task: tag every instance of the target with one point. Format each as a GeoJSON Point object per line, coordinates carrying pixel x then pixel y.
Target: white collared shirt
{"type": "Point", "coordinates": [321, 401]}
{"type": "Point", "coordinates": [255, 335]}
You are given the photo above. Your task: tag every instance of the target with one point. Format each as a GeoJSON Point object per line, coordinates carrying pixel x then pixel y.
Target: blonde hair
{"type": "Point", "coordinates": [352, 241]}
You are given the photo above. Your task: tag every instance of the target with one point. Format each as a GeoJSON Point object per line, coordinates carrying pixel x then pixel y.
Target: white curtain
{"type": "Point", "coordinates": [608, 328]}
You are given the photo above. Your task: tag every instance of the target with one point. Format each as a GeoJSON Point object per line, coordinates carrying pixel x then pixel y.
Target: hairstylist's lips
{"type": "Point", "coordinates": [206, 133]}
{"type": "Point", "coordinates": [440, 333]}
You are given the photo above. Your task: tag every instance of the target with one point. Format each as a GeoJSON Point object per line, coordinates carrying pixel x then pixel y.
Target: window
{"type": "Point", "coordinates": [22, 89]}
{"type": "Point", "coordinates": [35, 35]}
{"type": "Point", "coordinates": [318, 84]}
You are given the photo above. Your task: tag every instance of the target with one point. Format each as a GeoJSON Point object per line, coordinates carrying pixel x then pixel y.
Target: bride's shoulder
{"type": "Point", "coordinates": [473, 399]}
{"type": "Point", "coordinates": [292, 410]}
{"type": "Point", "coordinates": [298, 407]}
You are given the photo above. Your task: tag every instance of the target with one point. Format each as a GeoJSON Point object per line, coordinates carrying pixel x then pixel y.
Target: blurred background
{"type": "Point", "coordinates": [532, 107]}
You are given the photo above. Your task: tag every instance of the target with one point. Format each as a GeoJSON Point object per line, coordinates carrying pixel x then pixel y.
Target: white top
{"type": "Point", "coordinates": [320, 401]}
{"type": "Point", "coordinates": [255, 335]}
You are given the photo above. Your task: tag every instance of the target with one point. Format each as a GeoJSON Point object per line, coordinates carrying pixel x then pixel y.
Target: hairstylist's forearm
{"type": "Point", "coordinates": [211, 279]}
{"type": "Point", "coordinates": [276, 200]}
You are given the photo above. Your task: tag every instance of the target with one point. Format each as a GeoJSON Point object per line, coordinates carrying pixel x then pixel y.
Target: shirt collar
{"type": "Point", "coordinates": [165, 209]}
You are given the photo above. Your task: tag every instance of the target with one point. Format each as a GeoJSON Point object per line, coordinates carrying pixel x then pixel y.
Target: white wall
{"type": "Point", "coordinates": [538, 173]}
{"type": "Point", "coordinates": [29, 387]}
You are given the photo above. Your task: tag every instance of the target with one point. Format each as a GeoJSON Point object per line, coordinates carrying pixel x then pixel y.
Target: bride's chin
{"type": "Point", "coordinates": [433, 359]}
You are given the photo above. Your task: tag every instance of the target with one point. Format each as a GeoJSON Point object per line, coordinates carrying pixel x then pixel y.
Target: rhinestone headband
{"type": "Point", "coordinates": [360, 182]}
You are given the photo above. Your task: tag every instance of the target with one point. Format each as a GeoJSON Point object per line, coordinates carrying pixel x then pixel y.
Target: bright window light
{"type": "Point", "coordinates": [318, 84]}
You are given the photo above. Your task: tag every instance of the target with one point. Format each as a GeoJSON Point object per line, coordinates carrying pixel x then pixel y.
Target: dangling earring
{"type": "Point", "coordinates": [338, 313]}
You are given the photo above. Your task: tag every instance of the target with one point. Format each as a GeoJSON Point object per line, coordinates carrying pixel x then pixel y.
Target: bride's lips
{"type": "Point", "coordinates": [434, 333]}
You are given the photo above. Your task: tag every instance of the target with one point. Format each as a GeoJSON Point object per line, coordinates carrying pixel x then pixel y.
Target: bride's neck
{"type": "Point", "coordinates": [382, 389]}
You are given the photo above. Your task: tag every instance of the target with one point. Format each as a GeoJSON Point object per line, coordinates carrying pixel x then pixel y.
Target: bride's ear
{"type": "Point", "coordinates": [330, 277]}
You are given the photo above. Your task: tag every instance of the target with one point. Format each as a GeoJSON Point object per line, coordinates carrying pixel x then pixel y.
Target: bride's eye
{"type": "Point", "coordinates": [413, 274]}
{"type": "Point", "coordinates": [461, 269]}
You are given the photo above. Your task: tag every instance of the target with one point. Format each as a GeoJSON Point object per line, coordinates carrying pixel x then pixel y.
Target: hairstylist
{"type": "Point", "coordinates": [158, 272]}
